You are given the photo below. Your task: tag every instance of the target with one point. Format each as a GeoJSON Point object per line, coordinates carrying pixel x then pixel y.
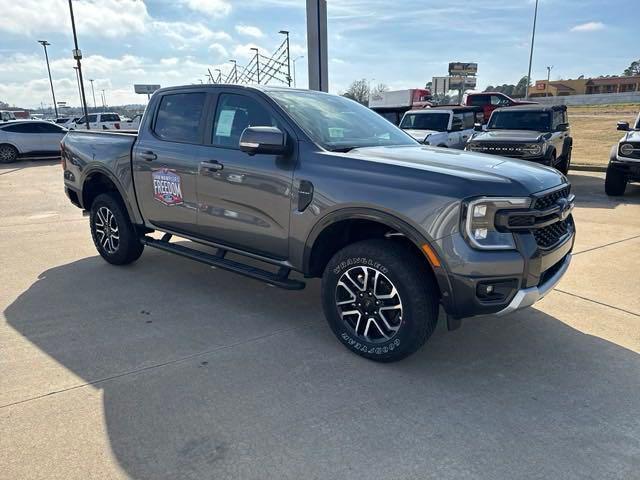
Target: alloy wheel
{"type": "Point", "coordinates": [369, 304]}
{"type": "Point", "coordinates": [107, 230]}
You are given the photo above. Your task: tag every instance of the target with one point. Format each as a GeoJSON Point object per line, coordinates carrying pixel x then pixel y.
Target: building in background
{"type": "Point", "coordinates": [584, 86]}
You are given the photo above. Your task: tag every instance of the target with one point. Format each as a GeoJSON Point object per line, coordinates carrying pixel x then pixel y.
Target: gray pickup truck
{"type": "Point", "coordinates": [304, 181]}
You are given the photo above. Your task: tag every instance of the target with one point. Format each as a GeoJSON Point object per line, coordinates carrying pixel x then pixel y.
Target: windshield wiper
{"type": "Point", "coordinates": [341, 149]}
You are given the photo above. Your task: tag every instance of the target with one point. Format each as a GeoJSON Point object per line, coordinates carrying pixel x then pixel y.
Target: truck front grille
{"type": "Point", "coordinates": [504, 149]}
{"type": "Point", "coordinates": [550, 235]}
{"type": "Point", "coordinates": [548, 200]}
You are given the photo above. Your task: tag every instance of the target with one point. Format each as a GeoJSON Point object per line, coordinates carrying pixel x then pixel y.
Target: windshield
{"type": "Point", "coordinates": [426, 121]}
{"type": "Point", "coordinates": [337, 123]}
{"type": "Point", "coordinates": [514, 120]}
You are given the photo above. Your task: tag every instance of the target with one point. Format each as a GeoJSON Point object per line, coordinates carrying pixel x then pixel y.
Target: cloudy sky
{"type": "Point", "coordinates": [400, 43]}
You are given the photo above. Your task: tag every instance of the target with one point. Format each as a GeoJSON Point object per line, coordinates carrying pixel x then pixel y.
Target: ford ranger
{"type": "Point", "coordinates": [624, 161]}
{"type": "Point", "coordinates": [314, 183]}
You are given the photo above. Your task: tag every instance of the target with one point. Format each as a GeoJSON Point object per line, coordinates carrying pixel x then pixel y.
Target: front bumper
{"type": "Point", "coordinates": [528, 296]}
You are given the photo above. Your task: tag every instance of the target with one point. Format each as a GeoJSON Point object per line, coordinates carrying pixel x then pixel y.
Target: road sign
{"type": "Point", "coordinates": [461, 68]}
{"type": "Point", "coordinates": [457, 82]}
{"type": "Point", "coordinates": [146, 89]}
{"type": "Point", "coordinates": [440, 85]}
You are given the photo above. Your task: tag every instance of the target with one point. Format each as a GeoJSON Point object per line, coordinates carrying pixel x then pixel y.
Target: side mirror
{"type": "Point", "coordinates": [624, 126]}
{"type": "Point", "coordinates": [268, 140]}
{"type": "Point", "coordinates": [562, 127]}
{"type": "Point", "coordinates": [477, 127]}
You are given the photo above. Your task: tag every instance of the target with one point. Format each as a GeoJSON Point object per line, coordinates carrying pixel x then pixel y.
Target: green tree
{"type": "Point", "coordinates": [633, 69]}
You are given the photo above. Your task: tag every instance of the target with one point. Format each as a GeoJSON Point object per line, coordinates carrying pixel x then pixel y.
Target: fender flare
{"type": "Point", "coordinates": [418, 239]}
{"type": "Point", "coordinates": [98, 169]}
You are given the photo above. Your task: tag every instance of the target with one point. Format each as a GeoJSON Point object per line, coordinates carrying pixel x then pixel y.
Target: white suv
{"type": "Point", "coordinates": [99, 121]}
{"type": "Point", "coordinates": [446, 126]}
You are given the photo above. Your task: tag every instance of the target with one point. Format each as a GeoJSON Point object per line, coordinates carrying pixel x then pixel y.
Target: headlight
{"type": "Point", "coordinates": [532, 148]}
{"type": "Point", "coordinates": [626, 149]}
{"type": "Point", "coordinates": [479, 222]}
{"type": "Point", "coordinates": [474, 147]}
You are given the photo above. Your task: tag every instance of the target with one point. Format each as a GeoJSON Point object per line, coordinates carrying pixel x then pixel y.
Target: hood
{"type": "Point", "coordinates": [631, 136]}
{"type": "Point", "coordinates": [523, 136]}
{"type": "Point", "coordinates": [419, 135]}
{"type": "Point", "coordinates": [481, 174]}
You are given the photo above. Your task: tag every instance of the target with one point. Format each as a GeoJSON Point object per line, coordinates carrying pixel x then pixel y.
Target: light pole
{"type": "Point", "coordinates": [77, 54]}
{"type": "Point", "coordinates": [104, 100]}
{"type": "Point", "coordinates": [78, 82]}
{"type": "Point", "coordinates": [548, 78]}
{"type": "Point", "coordinates": [533, 38]}
{"type": "Point", "coordinates": [294, 69]}
{"type": "Point", "coordinates": [235, 70]}
{"type": "Point", "coordinates": [44, 44]}
{"type": "Point", "coordinates": [257, 63]}
{"type": "Point", "coordinates": [93, 92]}
{"type": "Point", "coordinates": [219, 75]}
{"type": "Point", "coordinates": [285, 32]}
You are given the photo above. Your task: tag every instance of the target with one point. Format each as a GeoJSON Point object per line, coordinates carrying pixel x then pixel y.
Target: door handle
{"type": "Point", "coordinates": [211, 166]}
{"type": "Point", "coordinates": [148, 156]}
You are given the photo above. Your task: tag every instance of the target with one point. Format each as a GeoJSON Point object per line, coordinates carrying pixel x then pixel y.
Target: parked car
{"type": "Point", "coordinates": [624, 161]}
{"type": "Point", "coordinates": [66, 122]}
{"type": "Point", "coordinates": [393, 104]}
{"type": "Point", "coordinates": [29, 138]}
{"type": "Point", "coordinates": [536, 133]}
{"type": "Point", "coordinates": [99, 121]}
{"type": "Point", "coordinates": [319, 184]}
{"type": "Point", "coordinates": [446, 126]}
{"type": "Point", "coordinates": [6, 116]}
{"type": "Point", "coordinates": [489, 101]}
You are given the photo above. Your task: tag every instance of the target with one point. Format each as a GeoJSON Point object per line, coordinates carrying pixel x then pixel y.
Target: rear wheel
{"type": "Point", "coordinates": [379, 299]}
{"type": "Point", "coordinates": [8, 153]}
{"type": "Point", "coordinates": [114, 236]}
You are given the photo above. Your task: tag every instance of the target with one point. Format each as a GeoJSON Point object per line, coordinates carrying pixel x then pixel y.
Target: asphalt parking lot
{"type": "Point", "coordinates": [170, 369]}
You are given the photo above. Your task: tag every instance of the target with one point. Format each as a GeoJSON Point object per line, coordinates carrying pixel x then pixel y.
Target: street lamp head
{"type": "Point", "coordinates": [284, 32]}
{"type": "Point", "coordinates": [254, 48]}
{"type": "Point", "coordinates": [233, 61]}
{"type": "Point", "coordinates": [44, 43]}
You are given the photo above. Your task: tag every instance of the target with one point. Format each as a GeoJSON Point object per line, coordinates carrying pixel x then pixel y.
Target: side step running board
{"type": "Point", "coordinates": [280, 279]}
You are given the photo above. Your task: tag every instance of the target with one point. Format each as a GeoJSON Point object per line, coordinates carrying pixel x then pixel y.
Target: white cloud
{"type": "Point", "coordinates": [213, 8]}
{"type": "Point", "coordinates": [249, 30]}
{"type": "Point", "coordinates": [104, 18]}
{"type": "Point", "coordinates": [219, 50]}
{"type": "Point", "coordinates": [588, 27]}
{"type": "Point", "coordinates": [183, 35]}
{"type": "Point", "coordinates": [245, 52]}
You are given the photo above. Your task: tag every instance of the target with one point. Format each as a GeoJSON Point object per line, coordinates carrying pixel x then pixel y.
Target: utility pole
{"type": "Point", "coordinates": [533, 38]}
{"type": "Point", "coordinates": [93, 92]}
{"type": "Point", "coordinates": [257, 63]}
{"type": "Point", "coordinates": [104, 100]}
{"type": "Point", "coordinates": [235, 70]}
{"type": "Point", "coordinates": [78, 82]}
{"type": "Point", "coordinates": [285, 32]}
{"type": "Point", "coordinates": [44, 44]}
{"type": "Point", "coordinates": [77, 54]}
{"type": "Point", "coordinates": [548, 79]}
{"type": "Point", "coordinates": [294, 69]}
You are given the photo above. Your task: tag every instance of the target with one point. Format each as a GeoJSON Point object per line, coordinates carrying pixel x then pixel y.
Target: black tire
{"type": "Point", "coordinates": [417, 294]}
{"type": "Point", "coordinates": [8, 153]}
{"type": "Point", "coordinates": [109, 217]}
{"type": "Point", "coordinates": [615, 183]}
{"type": "Point", "coordinates": [565, 162]}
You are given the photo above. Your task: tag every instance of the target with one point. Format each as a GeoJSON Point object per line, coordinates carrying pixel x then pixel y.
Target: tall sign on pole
{"type": "Point", "coordinates": [317, 45]}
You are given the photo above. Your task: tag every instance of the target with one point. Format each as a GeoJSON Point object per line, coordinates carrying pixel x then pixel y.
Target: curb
{"type": "Point", "coordinates": [588, 168]}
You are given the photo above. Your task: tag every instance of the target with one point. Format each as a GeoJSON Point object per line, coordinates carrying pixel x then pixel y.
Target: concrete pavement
{"type": "Point", "coordinates": [169, 369]}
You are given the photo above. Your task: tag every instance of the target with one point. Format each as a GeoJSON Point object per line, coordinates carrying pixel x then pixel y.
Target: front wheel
{"type": "Point", "coordinates": [380, 299]}
{"type": "Point", "coordinates": [565, 163]}
{"type": "Point", "coordinates": [615, 183]}
{"type": "Point", "coordinates": [113, 234]}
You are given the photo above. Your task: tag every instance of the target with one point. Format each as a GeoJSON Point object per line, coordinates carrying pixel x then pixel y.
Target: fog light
{"type": "Point", "coordinates": [480, 233]}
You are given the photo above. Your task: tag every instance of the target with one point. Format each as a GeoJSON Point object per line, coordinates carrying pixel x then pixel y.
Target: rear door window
{"type": "Point", "coordinates": [110, 117]}
{"type": "Point", "coordinates": [479, 100]}
{"type": "Point", "coordinates": [179, 117]}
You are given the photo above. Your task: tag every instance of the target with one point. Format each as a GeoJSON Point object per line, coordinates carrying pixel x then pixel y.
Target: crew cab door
{"type": "Point", "coordinates": [245, 200]}
{"type": "Point", "coordinates": [166, 161]}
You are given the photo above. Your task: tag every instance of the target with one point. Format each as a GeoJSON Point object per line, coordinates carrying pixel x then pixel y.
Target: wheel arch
{"type": "Point", "coordinates": [98, 181]}
{"type": "Point", "coordinates": [2, 143]}
{"type": "Point", "coordinates": [336, 230]}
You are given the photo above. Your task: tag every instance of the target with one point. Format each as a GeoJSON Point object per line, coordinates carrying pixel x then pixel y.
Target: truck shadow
{"type": "Point", "coordinates": [589, 191]}
{"type": "Point", "coordinates": [205, 374]}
